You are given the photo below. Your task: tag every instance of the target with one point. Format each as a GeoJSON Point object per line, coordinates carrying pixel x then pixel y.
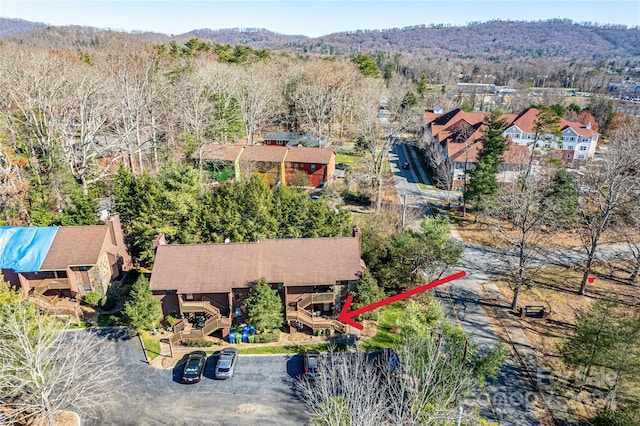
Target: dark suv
{"type": "Point", "coordinates": [311, 364]}
{"type": "Point", "coordinates": [192, 371]}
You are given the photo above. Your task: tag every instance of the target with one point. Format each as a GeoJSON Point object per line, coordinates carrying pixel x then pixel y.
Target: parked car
{"type": "Point", "coordinates": [406, 166]}
{"type": "Point", "coordinates": [192, 372]}
{"type": "Point", "coordinates": [226, 363]}
{"type": "Point", "coordinates": [311, 364]}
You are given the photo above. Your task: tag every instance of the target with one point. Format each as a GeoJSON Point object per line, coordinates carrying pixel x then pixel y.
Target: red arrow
{"type": "Point", "coordinates": [345, 316]}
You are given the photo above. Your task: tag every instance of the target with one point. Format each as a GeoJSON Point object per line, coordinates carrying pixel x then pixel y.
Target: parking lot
{"type": "Point", "coordinates": [260, 393]}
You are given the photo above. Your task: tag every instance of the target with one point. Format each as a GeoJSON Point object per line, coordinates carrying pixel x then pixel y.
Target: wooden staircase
{"type": "Point", "coordinates": [214, 322]}
{"type": "Point", "coordinates": [302, 315]}
{"type": "Point", "coordinates": [56, 305]}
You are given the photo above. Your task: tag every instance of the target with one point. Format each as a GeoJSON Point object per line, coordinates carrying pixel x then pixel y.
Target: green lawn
{"type": "Point", "coordinates": [349, 160]}
{"type": "Point", "coordinates": [288, 349]}
{"type": "Point", "coordinates": [111, 320]}
{"type": "Point", "coordinates": [151, 345]}
{"type": "Point", "coordinates": [384, 338]}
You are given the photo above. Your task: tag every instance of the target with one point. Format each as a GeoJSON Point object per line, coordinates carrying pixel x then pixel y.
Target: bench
{"type": "Point", "coordinates": [533, 311]}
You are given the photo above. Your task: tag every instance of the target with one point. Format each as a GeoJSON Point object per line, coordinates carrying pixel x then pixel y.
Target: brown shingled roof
{"type": "Point", "coordinates": [215, 268]}
{"type": "Point", "coordinates": [309, 155]}
{"type": "Point", "coordinates": [219, 152]}
{"type": "Point", "coordinates": [269, 154]}
{"type": "Point", "coordinates": [75, 246]}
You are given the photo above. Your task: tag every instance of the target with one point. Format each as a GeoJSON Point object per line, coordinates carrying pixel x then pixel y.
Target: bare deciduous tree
{"type": "Point", "coordinates": [607, 184]}
{"type": "Point", "coordinates": [256, 92]}
{"type": "Point", "coordinates": [426, 386]}
{"type": "Point", "coordinates": [45, 369]}
{"type": "Point", "coordinates": [378, 132]}
{"type": "Point", "coordinates": [524, 227]}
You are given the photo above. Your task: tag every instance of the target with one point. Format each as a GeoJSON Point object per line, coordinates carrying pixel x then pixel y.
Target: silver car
{"type": "Point", "coordinates": [226, 363]}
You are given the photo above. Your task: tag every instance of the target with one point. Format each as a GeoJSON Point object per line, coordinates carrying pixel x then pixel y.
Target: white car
{"type": "Point", "coordinates": [226, 363]}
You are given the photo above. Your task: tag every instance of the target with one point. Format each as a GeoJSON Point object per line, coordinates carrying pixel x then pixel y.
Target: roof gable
{"type": "Point", "coordinates": [76, 246]}
{"type": "Point", "coordinates": [309, 155]}
{"type": "Point", "coordinates": [214, 268]}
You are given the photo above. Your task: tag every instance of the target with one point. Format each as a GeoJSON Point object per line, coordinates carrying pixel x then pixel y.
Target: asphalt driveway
{"type": "Point", "coordinates": [260, 393]}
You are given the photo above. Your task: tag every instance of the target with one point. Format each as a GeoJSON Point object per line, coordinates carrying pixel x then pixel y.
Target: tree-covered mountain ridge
{"type": "Point", "coordinates": [494, 40]}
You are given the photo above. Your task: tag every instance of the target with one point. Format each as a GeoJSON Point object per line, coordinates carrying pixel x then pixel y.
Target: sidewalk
{"type": "Point", "coordinates": [540, 378]}
{"type": "Point", "coordinates": [525, 354]}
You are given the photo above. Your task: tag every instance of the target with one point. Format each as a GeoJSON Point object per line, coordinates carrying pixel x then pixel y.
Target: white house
{"type": "Point", "coordinates": [457, 133]}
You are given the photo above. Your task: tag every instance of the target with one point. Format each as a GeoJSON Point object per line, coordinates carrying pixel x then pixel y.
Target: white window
{"type": "Point", "coordinates": [568, 155]}
{"type": "Point", "coordinates": [548, 145]}
{"type": "Point", "coordinates": [571, 147]}
{"type": "Point", "coordinates": [583, 148]}
{"type": "Point", "coordinates": [313, 167]}
{"type": "Point", "coordinates": [295, 165]}
{"type": "Point", "coordinates": [580, 157]}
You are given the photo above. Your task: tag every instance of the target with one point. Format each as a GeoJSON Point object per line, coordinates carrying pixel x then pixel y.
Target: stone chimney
{"type": "Point", "coordinates": [357, 234]}
{"type": "Point", "coordinates": [159, 240]}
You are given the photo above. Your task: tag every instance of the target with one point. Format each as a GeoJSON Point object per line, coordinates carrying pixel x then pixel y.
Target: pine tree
{"type": "Point", "coordinates": [142, 310]}
{"type": "Point", "coordinates": [264, 307]}
{"type": "Point", "coordinates": [483, 180]}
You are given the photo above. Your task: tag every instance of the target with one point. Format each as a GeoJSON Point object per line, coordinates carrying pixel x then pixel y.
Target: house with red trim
{"type": "Point", "coordinates": [275, 164]}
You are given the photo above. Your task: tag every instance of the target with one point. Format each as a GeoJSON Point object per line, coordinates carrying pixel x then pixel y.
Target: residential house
{"type": "Point", "coordinates": [312, 276]}
{"type": "Point", "coordinates": [457, 133]}
{"type": "Point", "coordinates": [56, 264]}
{"type": "Point", "coordinates": [275, 164]}
{"type": "Point", "coordinates": [319, 164]}
{"type": "Point", "coordinates": [266, 161]}
{"type": "Point", "coordinates": [295, 139]}
{"type": "Point", "coordinates": [577, 140]}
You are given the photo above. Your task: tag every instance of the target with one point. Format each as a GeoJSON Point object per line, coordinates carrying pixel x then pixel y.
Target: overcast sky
{"type": "Point", "coordinates": [310, 17]}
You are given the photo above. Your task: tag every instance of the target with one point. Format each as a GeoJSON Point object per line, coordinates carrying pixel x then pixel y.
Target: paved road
{"type": "Point", "coordinates": [260, 393]}
{"type": "Point", "coordinates": [511, 394]}
{"type": "Point", "coordinates": [507, 399]}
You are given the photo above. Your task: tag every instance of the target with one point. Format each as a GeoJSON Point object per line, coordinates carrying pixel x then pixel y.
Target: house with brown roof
{"type": "Point", "coordinates": [312, 276]}
{"type": "Point", "coordinates": [458, 134]}
{"type": "Point", "coordinates": [275, 164]}
{"type": "Point", "coordinates": [318, 164]}
{"type": "Point", "coordinates": [73, 261]}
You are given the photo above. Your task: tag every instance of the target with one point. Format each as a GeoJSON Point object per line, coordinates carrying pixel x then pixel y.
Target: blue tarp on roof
{"type": "Point", "coordinates": [23, 248]}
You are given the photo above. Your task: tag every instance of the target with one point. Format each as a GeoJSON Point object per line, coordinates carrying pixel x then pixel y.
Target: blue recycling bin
{"type": "Point", "coordinates": [232, 337]}
{"type": "Point", "coordinates": [245, 337]}
{"type": "Point", "coordinates": [252, 329]}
